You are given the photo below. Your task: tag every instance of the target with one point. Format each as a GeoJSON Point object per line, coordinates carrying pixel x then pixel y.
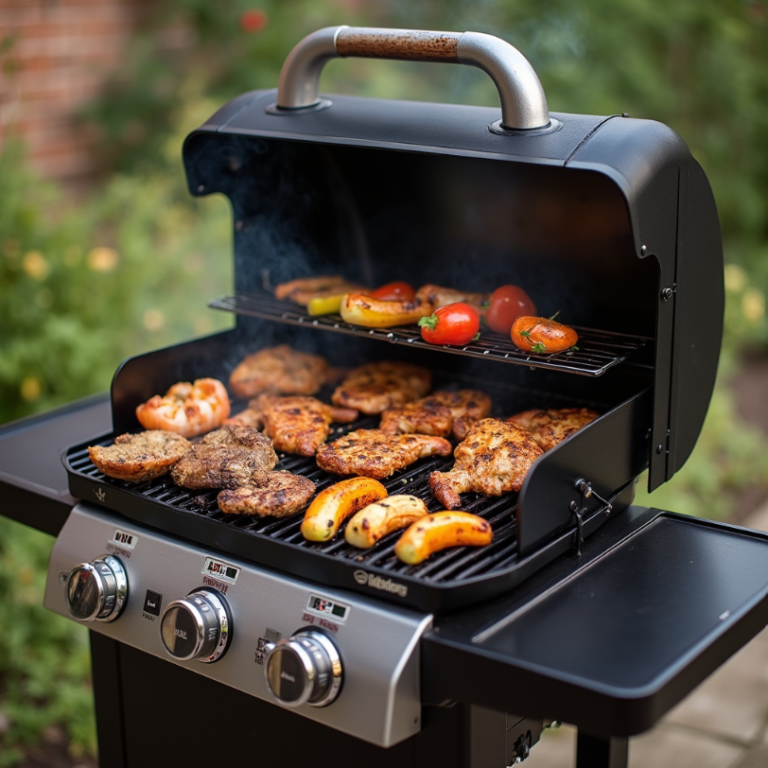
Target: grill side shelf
{"type": "Point", "coordinates": [598, 351]}
{"type": "Point", "coordinates": [450, 579]}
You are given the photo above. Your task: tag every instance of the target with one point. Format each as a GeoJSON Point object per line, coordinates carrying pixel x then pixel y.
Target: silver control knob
{"type": "Point", "coordinates": [97, 591]}
{"type": "Point", "coordinates": [197, 627]}
{"type": "Point", "coordinates": [304, 669]}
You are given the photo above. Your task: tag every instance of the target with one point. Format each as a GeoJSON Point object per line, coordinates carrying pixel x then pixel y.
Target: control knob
{"type": "Point", "coordinates": [97, 590]}
{"type": "Point", "coordinates": [303, 669]}
{"type": "Point", "coordinates": [198, 626]}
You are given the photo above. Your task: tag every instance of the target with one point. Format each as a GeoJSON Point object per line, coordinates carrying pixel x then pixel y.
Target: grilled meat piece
{"type": "Point", "coordinates": [493, 459]}
{"type": "Point", "coordinates": [277, 493]}
{"type": "Point", "coordinates": [298, 424]}
{"type": "Point", "coordinates": [141, 457]}
{"type": "Point", "coordinates": [373, 453]}
{"type": "Point", "coordinates": [279, 371]}
{"type": "Point", "coordinates": [374, 387]}
{"type": "Point", "coordinates": [550, 426]}
{"type": "Point", "coordinates": [227, 458]}
{"type": "Point", "coordinates": [440, 413]}
{"type": "Point", "coordinates": [305, 288]}
{"type": "Point", "coordinates": [439, 296]}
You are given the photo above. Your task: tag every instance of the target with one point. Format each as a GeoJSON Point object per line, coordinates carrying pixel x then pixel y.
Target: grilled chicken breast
{"type": "Point", "coordinates": [439, 296]}
{"type": "Point", "coordinates": [278, 494]}
{"type": "Point", "coordinates": [279, 371]}
{"type": "Point", "coordinates": [551, 426]}
{"type": "Point", "coordinates": [141, 457]}
{"type": "Point", "coordinates": [441, 414]}
{"type": "Point", "coordinates": [298, 424]}
{"type": "Point", "coordinates": [373, 453]}
{"type": "Point", "coordinates": [493, 459]}
{"type": "Point", "coordinates": [227, 458]}
{"type": "Point", "coordinates": [374, 387]}
{"type": "Point", "coordinates": [305, 288]}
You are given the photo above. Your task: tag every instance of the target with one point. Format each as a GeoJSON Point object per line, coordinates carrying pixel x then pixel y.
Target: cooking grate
{"type": "Point", "coordinates": [597, 350]}
{"type": "Point", "coordinates": [449, 565]}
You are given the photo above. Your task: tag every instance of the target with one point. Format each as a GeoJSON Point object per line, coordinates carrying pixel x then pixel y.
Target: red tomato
{"type": "Point", "coordinates": [453, 324]}
{"type": "Point", "coordinates": [397, 291]}
{"type": "Point", "coordinates": [507, 304]}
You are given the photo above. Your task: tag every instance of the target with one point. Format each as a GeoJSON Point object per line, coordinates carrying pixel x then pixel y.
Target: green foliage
{"type": "Point", "coordinates": [44, 658]}
{"type": "Point", "coordinates": [84, 288]}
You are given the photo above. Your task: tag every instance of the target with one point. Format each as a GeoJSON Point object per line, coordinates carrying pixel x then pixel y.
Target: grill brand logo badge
{"type": "Point", "coordinates": [100, 494]}
{"type": "Point", "coordinates": [377, 582]}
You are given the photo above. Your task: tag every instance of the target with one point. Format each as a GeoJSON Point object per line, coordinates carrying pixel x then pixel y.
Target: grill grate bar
{"type": "Point", "coordinates": [598, 350]}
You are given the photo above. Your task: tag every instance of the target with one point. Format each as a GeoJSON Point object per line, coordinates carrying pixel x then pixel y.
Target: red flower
{"type": "Point", "coordinates": [253, 20]}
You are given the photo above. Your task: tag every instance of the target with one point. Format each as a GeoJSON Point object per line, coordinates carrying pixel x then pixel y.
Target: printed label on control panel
{"type": "Point", "coordinates": [220, 570]}
{"type": "Point", "coordinates": [329, 609]}
{"type": "Point", "coordinates": [124, 540]}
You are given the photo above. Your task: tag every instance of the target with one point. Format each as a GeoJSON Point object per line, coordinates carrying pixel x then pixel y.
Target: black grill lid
{"type": "Point", "coordinates": [670, 210]}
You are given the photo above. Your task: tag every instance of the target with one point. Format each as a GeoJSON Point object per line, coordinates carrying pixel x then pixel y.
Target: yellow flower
{"type": "Point", "coordinates": [103, 259]}
{"type": "Point", "coordinates": [31, 389]}
{"type": "Point", "coordinates": [35, 265]}
{"type": "Point", "coordinates": [154, 319]}
{"type": "Point", "coordinates": [735, 277]}
{"type": "Point", "coordinates": [753, 305]}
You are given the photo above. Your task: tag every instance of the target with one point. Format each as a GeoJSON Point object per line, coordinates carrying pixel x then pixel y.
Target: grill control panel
{"type": "Point", "coordinates": [335, 657]}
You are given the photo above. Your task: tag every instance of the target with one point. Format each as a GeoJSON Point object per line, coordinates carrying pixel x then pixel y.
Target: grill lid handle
{"type": "Point", "coordinates": [523, 103]}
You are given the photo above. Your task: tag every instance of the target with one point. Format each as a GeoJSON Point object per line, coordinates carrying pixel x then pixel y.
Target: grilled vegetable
{"type": "Point", "coordinates": [508, 302]}
{"type": "Point", "coordinates": [541, 335]}
{"type": "Point", "coordinates": [335, 504]}
{"type": "Point", "coordinates": [325, 305]}
{"type": "Point", "coordinates": [361, 309]}
{"type": "Point", "coordinates": [382, 517]}
{"type": "Point", "coordinates": [439, 531]}
{"type": "Point", "coordinates": [455, 324]}
{"type": "Point", "coordinates": [397, 291]}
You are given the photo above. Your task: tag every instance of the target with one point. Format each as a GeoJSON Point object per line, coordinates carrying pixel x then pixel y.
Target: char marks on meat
{"type": "Point", "coordinates": [298, 425]}
{"type": "Point", "coordinates": [227, 458]}
{"type": "Point", "coordinates": [277, 494]}
{"type": "Point", "coordinates": [140, 457]}
{"type": "Point", "coordinates": [279, 370]}
{"type": "Point", "coordinates": [373, 453]}
{"type": "Point", "coordinates": [441, 414]}
{"type": "Point", "coordinates": [550, 426]}
{"type": "Point", "coordinates": [493, 459]}
{"type": "Point", "coordinates": [374, 387]}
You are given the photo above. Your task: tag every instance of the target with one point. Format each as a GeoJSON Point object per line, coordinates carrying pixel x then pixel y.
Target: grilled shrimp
{"type": "Point", "coordinates": [187, 409]}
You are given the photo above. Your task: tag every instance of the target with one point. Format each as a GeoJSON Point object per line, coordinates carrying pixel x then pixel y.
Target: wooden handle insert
{"type": "Point", "coordinates": [401, 44]}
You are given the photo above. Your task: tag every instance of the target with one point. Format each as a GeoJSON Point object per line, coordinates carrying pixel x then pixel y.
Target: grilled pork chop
{"type": "Point", "coordinates": [551, 426]}
{"type": "Point", "coordinates": [374, 387]}
{"type": "Point", "coordinates": [227, 458]}
{"type": "Point", "coordinates": [373, 453]}
{"type": "Point", "coordinates": [440, 296]}
{"type": "Point", "coordinates": [141, 457]}
{"type": "Point", "coordinates": [279, 370]}
{"type": "Point", "coordinates": [493, 459]}
{"type": "Point", "coordinates": [297, 424]}
{"type": "Point", "coordinates": [440, 413]}
{"type": "Point", "coordinates": [278, 493]}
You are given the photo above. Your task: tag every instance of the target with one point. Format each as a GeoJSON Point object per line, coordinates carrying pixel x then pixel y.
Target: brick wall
{"type": "Point", "coordinates": [61, 53]}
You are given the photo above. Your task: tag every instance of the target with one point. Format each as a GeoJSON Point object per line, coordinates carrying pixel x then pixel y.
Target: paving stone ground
{"type": "Point", "coordinates": [722, 724]}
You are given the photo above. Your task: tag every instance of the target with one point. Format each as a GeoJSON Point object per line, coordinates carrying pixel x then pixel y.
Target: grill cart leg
{"type": "Point", "coordinates": [598, 752]}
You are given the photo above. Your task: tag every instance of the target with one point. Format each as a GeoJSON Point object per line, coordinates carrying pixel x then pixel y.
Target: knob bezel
{"type": "Point", "coordinates": [333, 660]}
{"type": "Point", "coordinates": [111, 580]}
{"type": "Point", "coordinates": [201, 650]}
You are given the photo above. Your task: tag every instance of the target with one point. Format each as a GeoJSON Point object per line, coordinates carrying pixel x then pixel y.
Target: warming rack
{"type": "Point", "coordinates": [597, 350]}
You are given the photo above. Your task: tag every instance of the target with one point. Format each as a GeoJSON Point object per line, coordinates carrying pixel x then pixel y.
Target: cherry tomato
{"type": "Point", "coordinates": [397, 291]}
{"type": "Point", "coordinates": [453, 324]}
{"type": "Point", "coordinates": [508, 302]}
{"type": "Point", "coordinates": [542, 335]}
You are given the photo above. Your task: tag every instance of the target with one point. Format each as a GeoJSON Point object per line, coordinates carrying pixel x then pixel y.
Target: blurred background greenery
{"type": "Point", "coordinates": [131, 265]}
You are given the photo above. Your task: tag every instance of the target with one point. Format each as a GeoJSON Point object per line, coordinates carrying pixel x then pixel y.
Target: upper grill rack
{"type": "Point", "coordinates": [597, 350]}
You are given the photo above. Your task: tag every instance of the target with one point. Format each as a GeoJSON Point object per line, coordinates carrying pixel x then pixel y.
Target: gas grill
{"type": "Point", "coordinates": [584, 609]}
